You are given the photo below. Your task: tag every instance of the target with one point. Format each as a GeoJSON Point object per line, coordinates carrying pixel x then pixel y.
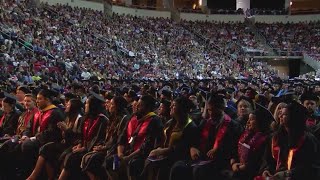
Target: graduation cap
{"type": "Point", "coordinates": [166, 93]}
{"type": "Point", "coordinates": [97, 96]}
{"type": "Point", "coordinates": [297, 116]}
{"type": "Point", "coordinates": [70, 96]}
{"type": "Point", "coordinates": [24, 89]}
{"type": "Point", "coordinates": [49, 93]}
{"type": "Point", "coordinates": [132, 94]}
{"type": "Point", "coordinates": [263, 117]}
{"type": "Point", "coordinates": [245, 98]}
{"type": "Point", "coordinates": [230, 90]}
{"type": "Point", "coordinates": [309, 96]}
{"type": "Point", "coordinates": [8, 98]}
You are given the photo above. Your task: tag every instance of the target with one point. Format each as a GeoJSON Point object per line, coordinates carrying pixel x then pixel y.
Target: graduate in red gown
{"type": "Point", "coordinates": [292, 153]}
{"type": "Point", "coordinates": [93, 131]}
{"type": "Point", "coordinates": [251, 145]}
{"type": "Point", "coordinates": [217, 143]}
{"type": "Point", "coordinates": [142, 134]}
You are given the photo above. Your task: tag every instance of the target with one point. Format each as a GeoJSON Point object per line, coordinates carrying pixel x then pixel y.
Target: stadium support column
{"type": "Point", "coordinates": [287, 5]}
{"type": "Point", "coordinates": [128, 2]}
{"type": "Point", "coordinates": [203, 5]}
{"type": "Point", "coordinates": [243, 4]}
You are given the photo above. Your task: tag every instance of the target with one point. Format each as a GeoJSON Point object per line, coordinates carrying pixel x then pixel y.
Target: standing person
{"type": "Point", "coordinates": [93, 131]}
{"type": "Point", "coordinates": [50, 153]}
{"type": "Point", "coordinates": [43, 129]}
{"type": "Point", "coordinates": [92, 162]}
{"type": "Point", "coordinates": [293, 152]}
{"type": "Point", "coordinates": [141, 135]}
{"type": "Point", "coordinates": [216, 144]}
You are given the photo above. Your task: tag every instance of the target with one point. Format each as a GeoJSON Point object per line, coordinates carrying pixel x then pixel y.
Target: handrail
{"type": "Point", "coordinates": [19, 40]}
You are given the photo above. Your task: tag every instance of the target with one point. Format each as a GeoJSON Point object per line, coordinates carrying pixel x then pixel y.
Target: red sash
{"type": "Point", "coordinates": [247, 146]}
{"type": "Point", "coordinates": [222, 132]}
{"type": "Point", "coordinates": [35, 122]}
{"type": "Point", "coordinates": [42, 119]}
{"type": "Point", "coordinates": [89, 129]}
{"type": "Point", "coordinates": [275, 149]}
{"type": "Point", "coordinates": [293, 151]}
{"type": "Point", "coordinates": [311, 122]}
{"type": "Point", "coordinates": [2, 119]}
{"type": "Point", "coordinates": [137, 130]}
{"type": "Point", "coordinates": [28, 116]}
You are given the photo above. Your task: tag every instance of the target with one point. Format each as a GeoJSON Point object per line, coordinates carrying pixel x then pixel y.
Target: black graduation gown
{"type": "Point", "coordinates": [92, 161]}
{"type": "Point", "coordinates": [147, 133]}
{"type": "Point", "coordinates": [227, 149]}
{"type": "Point", "coordinates": [72, 160]}
{"type": "Point", "coordinates": [179, 150]}
{"type": "Point", "coordinates": [9, 123]}
{"type": "Point", "coordinates": [305, 162]}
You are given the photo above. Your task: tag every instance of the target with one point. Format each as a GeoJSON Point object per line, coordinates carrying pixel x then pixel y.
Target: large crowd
{"type": "Point", "coordinates": [87, 96]}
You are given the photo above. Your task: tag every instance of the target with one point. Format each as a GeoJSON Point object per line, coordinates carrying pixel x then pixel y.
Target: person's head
{"type": "Point", "coordinates": [293, 117]}
{"type": "Point", "coordinates": [145, 105]}
{"type": "Point", "coordinates": [310, 101]}
{"type": "Point", "coordinates": [117, 105]}
{"type": "Point", "coordinates": [166, 94]}
{"type": "Point", "coordinates": [21, 91]}
{"type": "Point", "coordinates": [277, 112]}
{"type": "Point", "coordinates": [164, 108]}
{"type": "Point", "coordinates": [8, 104]}
{"type": "Point", "coordinates": [215, 106]}
{"type": "Point", "coordinates": [180, 107]}
{"type": "Point", "coordinates": [45, 98]}
{"type": "Point", "coordinates": [29, 101]}
{"type": "Point", "coordinates": [135, 106]}
{"type": "Point", "coordinates": [260, 120]}
{"type": "Point", "coordinates": [130, 96]}
{"type": "Point", "coordinates": [69, 96]}
{"type": "Point", "coordinates": [194, 100]}
{"type": "Point", "coordinates": [244, 106]}
{"type": "Point", "coordinates": [74, 107]}
{"type": "Point", "coordinates": [93, 106]}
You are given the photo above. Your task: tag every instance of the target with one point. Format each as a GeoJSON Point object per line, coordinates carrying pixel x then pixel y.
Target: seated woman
{"type": "Point", "coordinates": [244, 106]}
{"type": "Point", "coordinates": [180, 133]}
{"type": "Point", "coordinates": [292, 153]}
{"type": "Point", "coordinates": [251, 145]}
{"type": "Point", "coordinates": [277, 113]}
{"type": "Point", "coordinates": [50, 152]}
{"type": "Point", "coordinates": [10, 117]}
{"type": "Point", "coordinates": [93, 131]}
{"type": "Point", "coordinates": [92, 162]}
{"type": "Point", "coordinates": [142, 133]}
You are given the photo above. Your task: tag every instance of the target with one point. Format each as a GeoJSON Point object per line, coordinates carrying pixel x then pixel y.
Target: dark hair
{"type": "Point", "coordinates": [121, 104]}
{"type": "Point", "coordinates": [149, 102]}
{"type": "Point", "coordinates": [76, 107]}
{"type": "Point", "coordinates": [49, 94]}
{"type": "Point", "coordinates": [297, 117]}
{"type": "Point", "coordinates": [96, 107]}
{"type": "Point", "coordinates": [217, 101]}
{"type": "Point", "coordinates": [184, 104]}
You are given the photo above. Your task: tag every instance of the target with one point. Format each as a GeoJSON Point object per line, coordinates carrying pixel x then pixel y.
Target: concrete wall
{"type": "Point", "coordinates": [77, 3]}
{"type": "Point", "coordinates": [186, 16]}
{"type": "Point", "coordinates": [285, 19]}
{"type": "Point", "coordinates": [140, 12]}
{"type": "Point", "coordinates": [212, 17]}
